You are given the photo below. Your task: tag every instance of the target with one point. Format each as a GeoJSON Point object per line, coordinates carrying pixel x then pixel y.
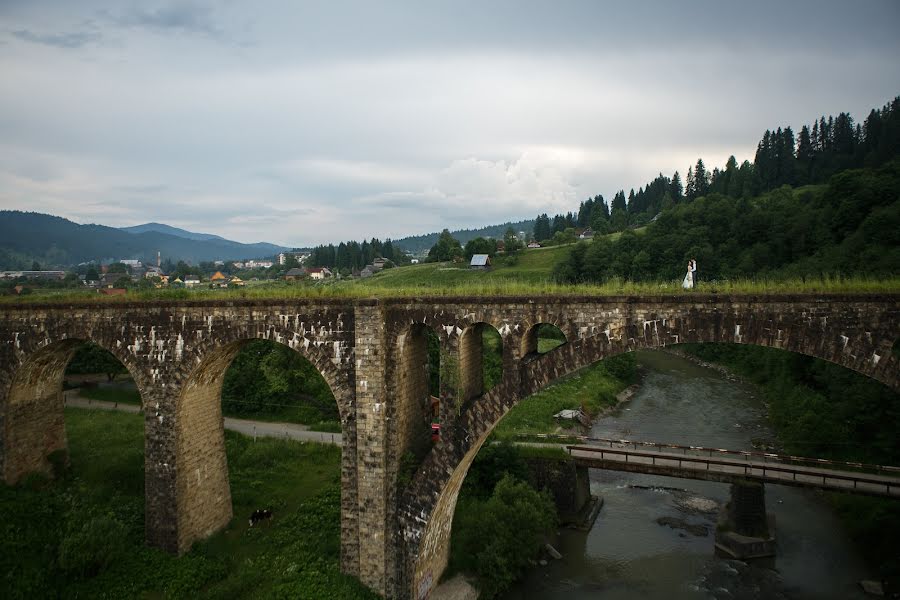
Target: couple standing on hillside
{"type": "Point", "coordinates": [690, 280]}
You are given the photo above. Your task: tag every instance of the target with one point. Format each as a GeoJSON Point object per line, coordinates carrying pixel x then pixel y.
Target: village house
{"type": "Point", "coordinates": [587, 234]}
{"type": "Point", "coordinates": [480, 261]}
{"type": "Point", "coordinates": [318, 272]}
{"type": "Point", "coordinates": [191, 281]}
{"type": "Point", "coordinates": [218, 279]}
{"type": "Point", "coordinates": [300, 256]}
{"type": "Point", "coordinates": [257, 264]}
{"type": "Point", "coordinates": [534, 245]}
{"type": "Point", "coordinates": [294, 274]}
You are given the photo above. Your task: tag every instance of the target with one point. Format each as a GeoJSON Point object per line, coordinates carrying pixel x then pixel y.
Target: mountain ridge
{"type": "Point", "coordinates": [55, 241]}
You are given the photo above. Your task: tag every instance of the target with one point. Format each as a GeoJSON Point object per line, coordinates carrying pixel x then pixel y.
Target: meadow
{"type": "Point", "coordinates": [528, 272]}
{"type": "Point", "coordinates": [81, 535]}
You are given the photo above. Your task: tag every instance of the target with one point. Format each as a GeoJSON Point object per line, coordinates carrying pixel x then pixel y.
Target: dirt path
{"type": "Point", "coordinates": [291, 431]}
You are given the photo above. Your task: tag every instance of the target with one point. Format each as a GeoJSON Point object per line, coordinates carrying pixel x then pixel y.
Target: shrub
{"type": "Point", "coordinates": [90, 548]}
{"type": "Point", "coordinates": [498, 538]}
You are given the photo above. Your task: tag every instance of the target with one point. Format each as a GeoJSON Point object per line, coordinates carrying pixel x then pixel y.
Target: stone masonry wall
{"type": "Point", "coordinates": [395, 541]}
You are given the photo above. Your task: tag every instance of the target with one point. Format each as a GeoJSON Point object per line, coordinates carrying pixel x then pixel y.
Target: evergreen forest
{"type": "Point", "coordinates": [827, 204]}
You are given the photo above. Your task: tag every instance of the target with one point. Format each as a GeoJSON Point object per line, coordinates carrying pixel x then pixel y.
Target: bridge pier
{"type": "Point", "coordinates": [745, 531]}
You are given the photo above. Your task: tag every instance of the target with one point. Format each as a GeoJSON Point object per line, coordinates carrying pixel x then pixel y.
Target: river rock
{"type": "Point", "coordinates": [553, 552]}
{"type": "Point", "coordinates": [873, 588]}
{"type": "Point", "coordinates": [676, 523]}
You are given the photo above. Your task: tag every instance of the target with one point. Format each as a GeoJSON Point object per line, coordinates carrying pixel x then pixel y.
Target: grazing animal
{"type": "Point", "coordinates": [259, 515]}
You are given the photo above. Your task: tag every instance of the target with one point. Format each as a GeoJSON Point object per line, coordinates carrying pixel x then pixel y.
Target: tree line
{"type": "Point", "coordinates": [355, 255]}
{"type": "Point", "coordinates": [849, 226]}
{"type": "Point", "coordinates": [822, 149]}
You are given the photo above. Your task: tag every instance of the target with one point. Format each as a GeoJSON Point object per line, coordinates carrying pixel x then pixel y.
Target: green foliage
{"type": "Point", "coordinates": [591, 389]}
{"type": "Point", "coordinates": [480, 246]}
{"type": "Point", "coordinates": [408, 465]}
{"type": "Point", "coordinates": [92, 544]}
{"type": "Point", "coordinates": [91, 358]}
{"type": "Point", "coordinates": [849, 226]}
{"type": "Point", "coordinates": [447, 248]}
{"type": "Point", "coordinates": [497, 538]}
{"type": "Point", "coordinates": [818, 408]}
{"type": "Point", "coordinates": [494, 462]}
{"type": "Point", "coordinates": [270, 379]}
{"type": "Point", "coordinates": [492, 357]}
{"type": "Point", "coordinates": [82, 536]}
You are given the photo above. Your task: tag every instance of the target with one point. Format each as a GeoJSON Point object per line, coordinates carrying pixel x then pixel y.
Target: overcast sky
{"type": "Point", "coordinates": [301, 124]}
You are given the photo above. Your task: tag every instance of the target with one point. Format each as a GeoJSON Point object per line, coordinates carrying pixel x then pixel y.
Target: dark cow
{"type": "Point", "coordinates": [259, 515]}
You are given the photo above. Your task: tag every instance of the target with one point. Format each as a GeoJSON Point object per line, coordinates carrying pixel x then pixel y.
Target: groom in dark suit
{"type": "Point", "coordinates": [694, 271]}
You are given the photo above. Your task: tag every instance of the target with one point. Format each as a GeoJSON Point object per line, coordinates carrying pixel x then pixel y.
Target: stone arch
{"type": "Point", "coordinates": [202, 489]}
{"type": "Point", "coordinates": [530, 339]}
{"type": "Point", "coordinates": [32, 406]}
{"type": "Point", "coordinates": [471, 382]}
{"type": "Point", "coordinates": [413, 414]}
{"type": "Point", "coordinates": [441, 477]}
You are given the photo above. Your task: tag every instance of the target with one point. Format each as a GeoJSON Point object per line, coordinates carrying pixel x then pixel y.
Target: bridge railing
{"type": "Point", "coordinates": [709, 452]}
{"type": "Point", "coordinates": [801, 475]}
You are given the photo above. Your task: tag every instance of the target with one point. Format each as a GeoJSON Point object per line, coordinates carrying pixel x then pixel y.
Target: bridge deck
{"type": "Point", "coordinates": [728, 470]}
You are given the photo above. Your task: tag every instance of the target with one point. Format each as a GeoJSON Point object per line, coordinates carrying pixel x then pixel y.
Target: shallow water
{"type": "Point", "coordinates": [627, 554]}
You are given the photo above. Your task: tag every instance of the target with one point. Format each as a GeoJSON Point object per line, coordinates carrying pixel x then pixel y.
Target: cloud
{"type": "Point", "coordinates": [179, 17]}
{"type": "Point", "coordinates": [72, 39]}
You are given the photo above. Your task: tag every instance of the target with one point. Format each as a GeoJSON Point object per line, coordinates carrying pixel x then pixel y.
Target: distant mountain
{"type": "Point", "coordinates": [168, 229]}
{"type": "Point", "coordinates": [422, 243]}
{"type": "Point", "coordinates": [56, 242]}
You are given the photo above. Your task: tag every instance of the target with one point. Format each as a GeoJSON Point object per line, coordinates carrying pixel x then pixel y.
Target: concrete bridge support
{"type": "Point", "coordinates": [745, 530]}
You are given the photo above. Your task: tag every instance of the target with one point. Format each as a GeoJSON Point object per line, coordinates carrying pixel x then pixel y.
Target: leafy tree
{"type": "Point", "coordinates": [511, 241]}
{"type": "Point", "coordinates": [119, 268]}
{"type": "Point", "coordinates": [500, 537]}
{"type": "Point", "coordinates": [92, 274]}
{"type": "Point", "coordinates": [480, 246]}
{"type": "Point", "coordinates": [446, 248]}
{"type": "Point", "coordinates": [91, 358]}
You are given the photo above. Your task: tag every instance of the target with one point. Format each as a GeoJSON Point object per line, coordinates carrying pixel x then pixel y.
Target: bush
{"type": "Point", "coordinates": [497, 539]}
{"type": "Point", "coordinates": [92, 547]}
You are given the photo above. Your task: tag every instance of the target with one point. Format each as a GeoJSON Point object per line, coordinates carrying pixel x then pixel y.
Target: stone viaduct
{"type": "Point", "coordinates": [373, 354]}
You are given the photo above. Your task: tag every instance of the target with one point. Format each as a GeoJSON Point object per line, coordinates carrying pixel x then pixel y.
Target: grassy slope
{"type": "Point", "coordinates": [295, 556]}
{"type": "Point", "coordinates": [531, 274]}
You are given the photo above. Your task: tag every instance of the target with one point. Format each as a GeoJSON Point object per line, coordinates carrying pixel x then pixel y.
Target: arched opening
{"type": "Point", "coordinates": [447, 505]}
{"type": "Point", "coordinates": [417, 420]}
{"type": "Point", "coordinates": [542, 338]}
{"type": "Point", "coordinates": [262, 388]}
{"type": "Point", "coordinates": [480, 361]}
{"type": "Point", "coordinates": [79, 464]}
{"type": "Point", "coordinates": [35, 427]}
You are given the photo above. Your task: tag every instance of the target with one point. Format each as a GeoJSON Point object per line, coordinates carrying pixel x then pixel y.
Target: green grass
{"type": "Point", "coordinates": [531, 274]}
{"type": "Point", "coordinates": [286, 414]}
{"type": "Point", "coordinates": [295, 556]}
{"type": "Point", "coordinates": [592, 388]}
{"type": "Point", "coordinates": [111, 394]}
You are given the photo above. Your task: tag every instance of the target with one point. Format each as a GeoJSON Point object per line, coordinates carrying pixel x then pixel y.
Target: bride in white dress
{"type": "Point", "coordinates": [688, 282]}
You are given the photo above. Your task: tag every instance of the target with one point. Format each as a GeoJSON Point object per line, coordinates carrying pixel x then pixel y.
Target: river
{"type": "Point", "coordinates": [627, 554]}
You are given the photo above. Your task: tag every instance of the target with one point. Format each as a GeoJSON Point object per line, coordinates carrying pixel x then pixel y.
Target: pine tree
{"type": "Point", "coordinates": [675, 188]}
{"type": "Point", "coordinates": [701, 178]}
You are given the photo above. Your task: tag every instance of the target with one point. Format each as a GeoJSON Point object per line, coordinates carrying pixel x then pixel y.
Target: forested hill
{"type": "Point", "coordinates": [422, 243]}
{"type": "Point", "coordinates": [849, 226]}
{"type": "Point", "coordinates": [57, 242]}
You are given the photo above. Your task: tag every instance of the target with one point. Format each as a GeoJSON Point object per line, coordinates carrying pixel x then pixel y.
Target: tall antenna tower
{"type": "Point", "coordinates": [158, 259]}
